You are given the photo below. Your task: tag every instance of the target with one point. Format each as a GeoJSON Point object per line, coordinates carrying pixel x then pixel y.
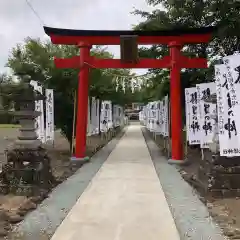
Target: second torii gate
{"type": "Point", "coordinates": [175, 39]}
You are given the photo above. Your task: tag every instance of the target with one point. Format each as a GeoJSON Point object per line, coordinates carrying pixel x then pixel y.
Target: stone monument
{"type": "Point", "coordinates": [28, 169]}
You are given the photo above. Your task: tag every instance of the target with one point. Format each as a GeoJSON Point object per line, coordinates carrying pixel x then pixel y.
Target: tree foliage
{"type": "Point", "coordinates": [170, 14]}
{"type": "Point", "coordinates": [34, 61]}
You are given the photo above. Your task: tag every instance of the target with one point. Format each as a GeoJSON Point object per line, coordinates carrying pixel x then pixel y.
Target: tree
{"type": "Point", "coordinates": [8, 88]}
{"type": "Point", "coordinates": [191, 13]}
{"type": "Point", "coordinates": [34, 60]}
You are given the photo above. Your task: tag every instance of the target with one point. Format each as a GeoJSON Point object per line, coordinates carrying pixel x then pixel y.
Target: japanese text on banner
{"type": "Point", "coordinates": [206, 110]}
{"type": "Point", "coordinates": [192, 116]}
{"type": "Point", "coordinates": [49, 115]}
{"type": "Point", "coordinates": [228, 134]}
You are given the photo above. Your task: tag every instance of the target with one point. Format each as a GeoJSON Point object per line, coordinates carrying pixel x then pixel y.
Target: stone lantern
{"type": "Point", "coordinates": [28, 170]}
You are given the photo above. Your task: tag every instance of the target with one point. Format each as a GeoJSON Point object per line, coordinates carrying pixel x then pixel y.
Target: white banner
{"type": "Point", "coordinates": [206, 111]}
{"type": "Point", "coordinates": [155, 116]}
{"type": "Point", "coordinates": [233, 76]}
{"type": "Point", "coordinates": [106, 116]}
{"type": "Point", "coordinates": [117, 114]}
{"type": "Point", "coordinates": [39, 124]}
{"type": "Point", "coordinates": [145, 118]}
{"type": "Point", "coordinates": [89, 125]}
{"type": "Point", "coordinates": [158, 126]}
{"type": "Point", "coordinates": [192, 116]}
{"type": "Point", "coordinates": [152, 117]}
{"type": "Point", "coordinates": [160, 117]}
{"type": "Point", "coordinates": [141, 116]}
{"type": "Point", "coordinates": [148, 121]}
{"type": "Point", "coordinates": [97, 116]}
{"type": "Point", "coordinates": [110, 114]}
{"type": "Point", "coordinates": [122, 117]}
{"type": "Point", "coordinates": [233, 80]}
{"type": "Point", "coordinates": [187, 117]}
{"type": "Point", "coordinates": [103, 118]}
{"type": "Point", "coordinates": [165, 117]}
{"type": "Point", "coordinates": [227, 118]}
{"type": "Point", "coordinates": [94, 116]}
{"type": "Point", "coordinates": [49, 115]}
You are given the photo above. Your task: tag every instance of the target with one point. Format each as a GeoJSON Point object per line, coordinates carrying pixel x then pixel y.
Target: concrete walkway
{"type": "Point", "coordinates": [124, 201]}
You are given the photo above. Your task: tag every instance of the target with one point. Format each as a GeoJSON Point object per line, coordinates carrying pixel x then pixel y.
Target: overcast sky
{"type": "Point", "coordinates": [17, 21]}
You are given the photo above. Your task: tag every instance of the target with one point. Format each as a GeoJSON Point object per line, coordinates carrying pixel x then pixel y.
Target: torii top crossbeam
{"type": "Point", "coordinates": [112, 37]}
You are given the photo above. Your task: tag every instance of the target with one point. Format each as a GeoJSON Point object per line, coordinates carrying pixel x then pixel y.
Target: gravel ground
{"type": "Point", "coordinates": [42, 223]}
{"type": "Point", "coordinates": [11, 207]}
{"type": "Point", "coordinates": [224, 211]}
{"type": "Point", "coordinates": [10, 204]}
{"type": "Point", "coordinates": [191, 215]}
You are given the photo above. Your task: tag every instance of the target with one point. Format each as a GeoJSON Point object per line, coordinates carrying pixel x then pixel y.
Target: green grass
{"type": "Point", "coordinates": [9, 126]}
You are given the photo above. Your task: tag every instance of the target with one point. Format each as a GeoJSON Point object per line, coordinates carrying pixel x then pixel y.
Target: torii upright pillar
{"type": "Point", "coordinates": [82, 103]}
{"type": "Point", "coordinates": [175, 103]}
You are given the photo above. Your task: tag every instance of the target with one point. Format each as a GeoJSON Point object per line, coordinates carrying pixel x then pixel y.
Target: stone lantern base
{"type": "Point", "coordinates": [27, 172]}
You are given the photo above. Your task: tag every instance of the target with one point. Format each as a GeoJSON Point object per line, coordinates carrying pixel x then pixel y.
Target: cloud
{"type": "Point", "coordinates": [18, 21]}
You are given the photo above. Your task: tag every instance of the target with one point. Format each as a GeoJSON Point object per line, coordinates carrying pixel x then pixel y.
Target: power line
{"type": "Point", "coordinates": [35, 12]}
{"type": "Point", "coordinates": [115, 75]}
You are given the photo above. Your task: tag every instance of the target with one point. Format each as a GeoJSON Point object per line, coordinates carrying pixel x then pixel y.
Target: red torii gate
{"type": "Point", "coordinates": [175, 39]}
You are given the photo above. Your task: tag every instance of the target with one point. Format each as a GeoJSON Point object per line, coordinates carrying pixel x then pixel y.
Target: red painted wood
{"type": "Point", "coordinates": [73, 62]}
{"type": "Point", "coordinates": [142, 40]}
{"type": "Point", "coordinates": [143, 63]}
{"type": "Point", "coordinates": [175, 102]}
{"type": "Point", "coordinates": [82, 105]}
{"type": "Point", "coordinates": [112, 63]}
{"type": "Point", "coordinates": [165, 62]}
